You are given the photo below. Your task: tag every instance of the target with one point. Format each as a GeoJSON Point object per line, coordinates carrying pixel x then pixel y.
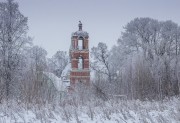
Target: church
{"type": "Point", "coordinates": [78, 70]}
{"type": "Point", "coordinates": [79, 57]}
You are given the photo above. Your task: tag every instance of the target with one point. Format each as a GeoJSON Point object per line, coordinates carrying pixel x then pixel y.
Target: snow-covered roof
{"type": "Point", "coordinates": [59, 83]}
{"type": "Point", "coordinates": [66, 71]}
{"type": "Point", "coordinates": [81, 33]}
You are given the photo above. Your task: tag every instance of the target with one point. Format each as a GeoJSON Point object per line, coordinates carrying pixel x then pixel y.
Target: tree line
{"type": "Point", "coordinates": [143, 64]}
{"type": "Point", "coordinates": [21, 63]}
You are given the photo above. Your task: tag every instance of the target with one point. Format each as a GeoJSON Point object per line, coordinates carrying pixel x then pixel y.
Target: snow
{"type": "Point", "coordinates": [62, 83]}
{"type": "Point", "coordinates": [59, 83]}
{"type": "Point", "coordinates": [67, 69]}
{"type": "Point", "coordinates": [80, 34]}
{"type": "Point", "coordinates": [134, 111]}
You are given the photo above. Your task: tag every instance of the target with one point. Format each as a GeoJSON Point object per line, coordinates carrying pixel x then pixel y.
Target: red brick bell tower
{"type": "Point", "coordinates": [79, 57]}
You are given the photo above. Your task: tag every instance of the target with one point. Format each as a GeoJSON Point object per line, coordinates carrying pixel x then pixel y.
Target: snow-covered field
{"type": "Point", "coordinates": [167, 111]}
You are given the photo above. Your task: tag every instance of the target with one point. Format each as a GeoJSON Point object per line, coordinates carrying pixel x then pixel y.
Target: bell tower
{"type": "Point", "coordinates": [79, 57]}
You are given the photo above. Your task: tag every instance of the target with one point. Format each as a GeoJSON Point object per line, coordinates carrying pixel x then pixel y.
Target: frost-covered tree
{"type": "Point", "coordinates": [101, 63]}
{"type": "Point", "coordinates": [155, 45]}
{"type": "Point", "coordinates": [145, 61]}
{"type": "Point", "coordinates": [58, 62]}
{"type": "Point", "coordinates": [13, 29]}
{"type": "Point", "coordinates": [36, 85]}
{"type": "Point", "coordinates": [38, 58]}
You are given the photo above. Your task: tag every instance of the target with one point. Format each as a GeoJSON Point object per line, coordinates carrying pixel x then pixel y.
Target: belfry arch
{"type": "Point", "coordinates": [80, 43]}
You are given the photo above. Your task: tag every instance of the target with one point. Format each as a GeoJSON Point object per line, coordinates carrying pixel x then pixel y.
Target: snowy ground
{"type": "Point", "coordinates": [167, 111]}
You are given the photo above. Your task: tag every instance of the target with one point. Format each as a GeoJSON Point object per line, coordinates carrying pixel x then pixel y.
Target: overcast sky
{"type": "Point", "coordinates": [51, 22]}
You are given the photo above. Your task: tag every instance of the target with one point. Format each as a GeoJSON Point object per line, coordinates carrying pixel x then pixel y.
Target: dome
{"type": "Point", "coordinates": [80, 32]}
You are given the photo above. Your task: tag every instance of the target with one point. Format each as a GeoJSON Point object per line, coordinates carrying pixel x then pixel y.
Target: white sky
{"type": "Point", "coordinates": [51, 22]}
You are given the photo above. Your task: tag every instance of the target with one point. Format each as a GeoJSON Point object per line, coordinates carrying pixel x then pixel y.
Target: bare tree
{"type": "Point", "coordinates": [13, 28]}
{"type": "Point", "coordinates": [101, 62]}
{"type": "Point", "coordinates": [38, 58]}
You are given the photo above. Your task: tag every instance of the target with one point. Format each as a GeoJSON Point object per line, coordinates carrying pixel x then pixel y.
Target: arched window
{"type": "Point", "coordinates": [80, 43]}
{"type": "Point", "coordinates": [80, 63]}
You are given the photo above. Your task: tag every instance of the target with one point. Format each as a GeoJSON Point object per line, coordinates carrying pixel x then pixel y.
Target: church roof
{"type": "Point", "coordinates": [80, 32]}
{"type": "Point", "coordinates": [59, 83]}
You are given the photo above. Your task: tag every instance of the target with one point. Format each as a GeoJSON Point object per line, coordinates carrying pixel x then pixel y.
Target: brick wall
{"type": "Point", "coordinates": [79, 75]}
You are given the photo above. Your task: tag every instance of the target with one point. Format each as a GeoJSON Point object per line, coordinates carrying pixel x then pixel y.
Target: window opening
{"type": "Point", "coordinates": [80, 63]}
{"type": "Point", "coordinates": [80, 44]}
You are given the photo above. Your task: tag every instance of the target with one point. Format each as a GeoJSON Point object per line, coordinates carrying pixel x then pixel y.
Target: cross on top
{"type": "Point", "coordinates": [80, 26]}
